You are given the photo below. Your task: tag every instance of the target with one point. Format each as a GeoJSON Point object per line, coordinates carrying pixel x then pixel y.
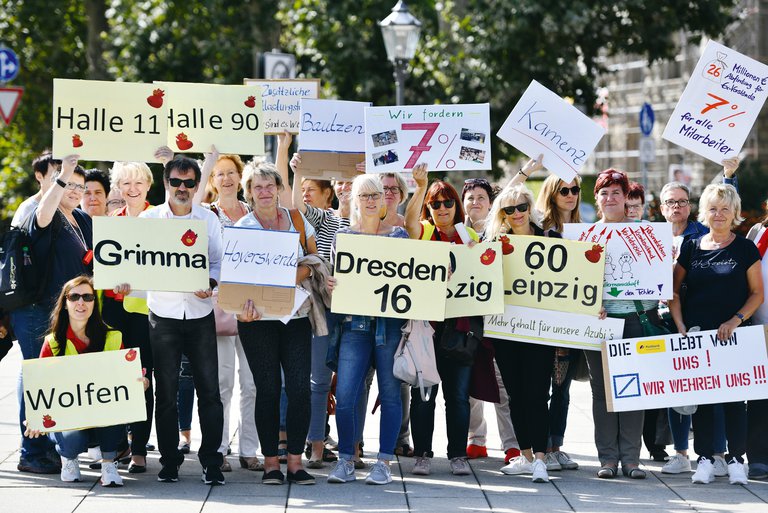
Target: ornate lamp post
{"type": "Point", "coordinates": [401, 32]}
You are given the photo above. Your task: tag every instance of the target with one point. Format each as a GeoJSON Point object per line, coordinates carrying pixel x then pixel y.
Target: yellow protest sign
{"type": "Point", "coordinates": [476, 286]}
{"type": "Point", "coordinates": [150, 254]}
{"type": "Point", "coordinates": [387, 277]}
{"type": "Point", "coordinates": [62, 393]}
{"type": "Point", "coordinates": [553, 274]}
{"type": "Point", "coordinates": [201, 115]}
{"type": "Point", "coordinates": [108, 120]}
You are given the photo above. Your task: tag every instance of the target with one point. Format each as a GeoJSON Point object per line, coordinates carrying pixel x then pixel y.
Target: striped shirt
{"type": "Point", "coordinates": [326, 224]}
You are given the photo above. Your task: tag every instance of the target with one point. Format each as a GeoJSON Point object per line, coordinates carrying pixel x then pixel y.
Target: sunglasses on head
{"type": "Point", "coordinates": [522, 207]}
{"type": "Point", "coordinates": [74, 297]}
{"type": "Point", "coordinates": [449, 203]}
{"type": "Point", "coordinates": [573, 190]}
{"type": "Point", "coordinates": [614, 175]}
{"type": "Point", "coordinates": [189, 183]}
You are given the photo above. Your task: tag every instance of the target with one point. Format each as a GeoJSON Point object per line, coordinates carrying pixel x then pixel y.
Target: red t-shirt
{"type": "Point", "coordinates": [80, 346]}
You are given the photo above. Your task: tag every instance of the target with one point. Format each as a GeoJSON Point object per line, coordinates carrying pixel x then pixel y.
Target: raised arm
{"type": "Point", "coordinates": [287, 197]}
{"type": "Point", "coordinates": [413, 210]}
{"type": "Point", "coordinates": [205, 173]}
{"type": "Point", "coordinates": [729, 172]}
{"type": "Point", "coordinates": [52, 197]}
{"type": "Point", "coordinates": [527, 170]}
{"type": "Point", "coordinates": [296, 195]}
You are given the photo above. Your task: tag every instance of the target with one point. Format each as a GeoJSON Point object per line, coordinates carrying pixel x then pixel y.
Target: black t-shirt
{"type": "Point", "coordinates": [716, 281]}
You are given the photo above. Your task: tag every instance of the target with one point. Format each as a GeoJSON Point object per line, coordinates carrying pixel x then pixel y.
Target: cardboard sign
{"type": "Point", "coordinates": [720, 104]}
{"type": "Point", "coordinates": [324, 165]}
{"type": "Point", "coordinates": [82, 391]}
{"type": "Point", "coordinates": [281, 102]}
{"type": "Point", "coordinates": [673, 370]}
{"type": "Point", "coordinates": [202, 115]}
{"type": "Point", "coordinates": [270, 301]}
{"type": "Point", "coordinates": [563, 329]}
{"type": "Point", "coordinates": [638, 258]}
{"type": "Point", "coordinates": [388, 277]}
{"type": "Point", "coordinates": [151, 254]}
{"type": "Point", "coordinates": [553, 274]}
{"type": "Point", "coordinates": [542, 122]}
{"type": "Point", "coordinates": [476, 286]}
{"type": "Point", "coordinates": [332, 125]}
{"type": "Point", "coordinates": [446, 137]}
{"type": "Point", "coordinates": [108, 120]}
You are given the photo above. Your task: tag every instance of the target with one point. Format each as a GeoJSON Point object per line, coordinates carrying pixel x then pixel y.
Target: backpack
{"type": "Point", "coordinates": [415, 361]}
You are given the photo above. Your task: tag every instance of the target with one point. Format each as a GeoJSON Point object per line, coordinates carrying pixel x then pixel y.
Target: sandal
{"type": "Point", "coordinates": [607, 472]}
{"type": "Point", "coordinates": [251, 463]}
{"type": "Point", "coordinates": [328, 455]}
{"type": "Point", "coordinates": [404, 450]}
{"type": "Point", "coordinates": [633, 472]}
{"type": "Point", "coordinates": [315, 464]}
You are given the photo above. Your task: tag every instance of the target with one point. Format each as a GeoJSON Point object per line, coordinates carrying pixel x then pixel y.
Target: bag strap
{"type": "Point", "coordinates": [423, 389]}
{"type": "Point", "coordinates": [298, 222]}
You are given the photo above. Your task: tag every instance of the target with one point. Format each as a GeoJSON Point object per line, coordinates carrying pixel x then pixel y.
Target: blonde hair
{"type": "Point", "coordinates": [401, 184]}
{"type": "Point", "coordinates": [720, 192]}
{"type": "Point", "coordinates": [262, 169]}
{"type": "Point", "coordinates": [239, 166]}
{"type": "Point", "coordinates": [124, 170]}
{"type": "Point", "coordinates": [495, 223]}
{"type": "Point", "coordinates": [546, 203]}
{"type": "Point", "coordinates": [365, 184]}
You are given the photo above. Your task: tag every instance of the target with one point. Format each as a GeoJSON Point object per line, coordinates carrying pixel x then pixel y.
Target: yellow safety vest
{"type": "Point", "coordinates": [113, 343]}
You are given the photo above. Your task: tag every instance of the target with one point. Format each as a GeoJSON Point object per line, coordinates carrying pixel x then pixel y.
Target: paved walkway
{"type": "Point", "coordinates": [485, 490]}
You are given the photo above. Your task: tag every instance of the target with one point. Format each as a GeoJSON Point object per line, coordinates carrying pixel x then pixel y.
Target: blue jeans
{"type": "Point", "coordinates": [30, 324]}
{"type": "Point", "coordinates": [680, 425]}
{"type": "Point", "coordinates": [320, 380]}
{"type": "Point", "coordinates": [560, 401]}
{"type": "Point", "coordinates": [705, 423]}
{"type": "Point", "coordinates": [185, 398]}
{"type": "Point", "coordinates": [359, 348]}
{"type": "Point", "coordinates": [71, 443]}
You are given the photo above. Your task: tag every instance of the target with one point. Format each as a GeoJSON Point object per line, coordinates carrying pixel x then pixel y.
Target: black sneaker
{"type": "Point", "coordinates": [168, 474]}
{"type": "Point", "coordinates": [212, 475]}
{"type": "Point", "coordinates": [37, 466]}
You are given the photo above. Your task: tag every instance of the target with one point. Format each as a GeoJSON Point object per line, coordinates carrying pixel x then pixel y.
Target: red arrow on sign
{"type": "Point", "coordinates": [10, 97]}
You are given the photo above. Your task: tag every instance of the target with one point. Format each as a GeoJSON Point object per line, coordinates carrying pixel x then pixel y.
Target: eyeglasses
{"type": "Point", "coordinates": [634, 207]}
{"type": "Point", "coordinates": [368, 197]}
{"type": "Point", "coordinates": [72, 186]}
{"type": "Point", "coordinates": [75, 297]}
{"type": "Point", "coordinates": [392, 190]}
{"type": "Point", "coordinates": [678, 203]}
{"type": "Point", "coordinates": [573, 190]}
{"type": "Point", "coordinates": [189, 183]}
{"type": "Point", "coordinates": [449, 203]}
{"type": "Point", "coordinates": [522, 207]}
{"type": "Point", "coordinates": [116, 203]}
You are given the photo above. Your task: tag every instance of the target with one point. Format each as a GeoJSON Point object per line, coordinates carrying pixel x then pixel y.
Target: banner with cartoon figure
{"type": "Point", "coordinates": [720, 104]}
{"type": "Point", "coordinates": [638, 258]}
{"type": "Point", "coordinates": [445, 137]}
{"type": "Point", "coordinates": [281, 102]}
{"type": "Point", "coordinates": [476, 286]}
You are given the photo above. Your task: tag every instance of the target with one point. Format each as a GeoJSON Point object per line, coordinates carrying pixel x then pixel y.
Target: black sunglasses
{"type": "Point", "coordinates": [75, 297]}
{"type": "Point", "coordinates": [574, 190]}
{"type": "Point", "coordinates": [189, 183]}
{"type": "Point", "coordinates": [522, 207]}
{"type": "Point", "coordinates": [449, 203]}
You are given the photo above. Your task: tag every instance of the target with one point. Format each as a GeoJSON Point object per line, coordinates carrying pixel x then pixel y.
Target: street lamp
{"type": "Point", "coordinates": [401, 36]}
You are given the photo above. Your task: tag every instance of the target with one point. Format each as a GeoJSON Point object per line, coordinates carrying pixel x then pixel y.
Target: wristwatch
{"type": "Point", "coordinates": [740, 317]}
{"type": "Point", "coordinates": [61, 183]}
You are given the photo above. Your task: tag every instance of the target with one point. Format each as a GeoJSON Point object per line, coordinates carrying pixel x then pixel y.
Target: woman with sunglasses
{"type": "Point", "coordinates": [435, 217]}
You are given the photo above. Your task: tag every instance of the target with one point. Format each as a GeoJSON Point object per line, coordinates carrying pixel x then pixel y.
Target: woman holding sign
{"type": "Point", "coordinates": [723, 275]}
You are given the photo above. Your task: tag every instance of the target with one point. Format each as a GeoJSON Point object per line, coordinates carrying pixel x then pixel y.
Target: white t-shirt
{"type": "Point", "coordinates": [25, 209]}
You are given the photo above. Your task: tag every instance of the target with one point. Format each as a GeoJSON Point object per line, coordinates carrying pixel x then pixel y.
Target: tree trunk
{"type": "Point", "coordinates": [95, 11]}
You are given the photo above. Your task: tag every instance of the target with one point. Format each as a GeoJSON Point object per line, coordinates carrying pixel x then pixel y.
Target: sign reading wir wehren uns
{"type": "Point", "coordinates": [87, 120]}
{"type": "Point", "coordinates": [388, 277]}
{"type": "Point", "coordinates": [553, 274]}
{"type": "Point", "coordinates": [675, 370]}
{"type": "Point", "coordinates": [560, 329]}
{"type": "Point", "coordinates": [638, 257]}
{"type": "Point", "coordinates": [281, 102]}
{"type": "Point", "coordinates": [476, 284]}
{"type": "Point", "coordinates": [81, 391]}
{"type": "Point", "coordinates": [150, 254]}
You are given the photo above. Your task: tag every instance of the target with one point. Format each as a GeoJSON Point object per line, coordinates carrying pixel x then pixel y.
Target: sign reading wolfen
{"type": "Point", "coordinates": [673, 370]}
{"type": "Point", "coordinates": [82, 391]}
{"type": "Point", "coordinates": [281, 102]}
{"type": "Point", "coordinates": [108, 120]}
{"type": "Point", "coordinates": [259, 265]}
{"type": "Point", "coordinates": [638, 258]}
{"type": "Point", "coordinates": [445, 137]}
{"type": "Point", "coordinates": [201, 115]}
{"type": "Point", "coordinates": [563, 329]}
{"type": "Point", "coordinates": [720, 104]}
{"type": "Point", "coordinates": [150, 254]}
{"type": "Point", "coordinates": [476, 285]}
{"type": "Point", "coordinates": [386, 277]}
{"type": "Point", "coordinates": [544, 123]}
{"type": "Point", "coordinates": [553, 274]}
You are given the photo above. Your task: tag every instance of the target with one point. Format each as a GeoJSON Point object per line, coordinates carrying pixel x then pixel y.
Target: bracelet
{"type": "Point", "coordinates": [61, 183]}
{"type": "Point", "coordinates": [521, 172]}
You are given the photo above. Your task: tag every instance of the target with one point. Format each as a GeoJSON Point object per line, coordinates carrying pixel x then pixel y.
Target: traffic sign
{"type": "Point", "coordinates": [647, 149]}
{"type": "Point", "coordinates": [9, 102]}
{"type": "Point", "coordinates": [9, 65]}
{"type": "Point", "coordinates": [646, 119]}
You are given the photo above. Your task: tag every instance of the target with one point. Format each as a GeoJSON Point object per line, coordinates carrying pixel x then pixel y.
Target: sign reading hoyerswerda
{"type": "Point", "coordinates": [542, 122]}
{"type": "Point", "coordinates": [89, 390]}
{"type": "Point", "coordinates": [638, 259]}
{"type": "Point", "coordinates": [150, 254]}
{"type": "Point", "coordinates": [108, 120]}
{"type": "Point", "coordinates": [445, 137]}
{"type": "Point", "coordinates": [281, 102]}
{"type": "Point", "coordinates": [673, 370]}
{"type": "Point", "coordinates": [386, 277]}
{"type": "Point", "coordinates": [476, 285]}
{"type": "Point", "coordinates": [553, 274]}
{"type": "Point", "coordinates": [720, 104]}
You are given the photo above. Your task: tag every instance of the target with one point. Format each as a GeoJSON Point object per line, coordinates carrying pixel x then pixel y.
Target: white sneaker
{"type": "Point", "coordinates": [705, 472]}
{"type": "Point", "coordinates": [422, 466]}
{"type": "Point", "coordinates": [460, 467]}
{"type": "Point", "coordinates": [94, 453]}
{"type": "Point", "coordinates": [551, 461]}
{"type": "Point", "coordinates": [736, 474]}
{"type": "Point", "coordinates": [70, 470]}
{"type": "Point", "coordinates": [721, 467]}
{"type": "Point", "coordinates": [517, 466]}
{"type": "Point", "coordinates": [343, 472]}
{"type": "Point", "coordinates": [539, 471]}
{"type": "Point", "coordinates": [676, 464]}
{"type": "Point", "coordinates": [565, 461]}
{"type": "Point", "coordinates": [380, 474]}
{"type": "Point", "coordinates": [109, 475]}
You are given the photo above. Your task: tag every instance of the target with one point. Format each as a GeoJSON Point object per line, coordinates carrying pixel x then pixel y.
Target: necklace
{"type": "Point", "coordinates": [718, 245]}
{"type": "Point", "coordinates": [274, 225]}
{"type": "Point", "coordinates": [240, 211]}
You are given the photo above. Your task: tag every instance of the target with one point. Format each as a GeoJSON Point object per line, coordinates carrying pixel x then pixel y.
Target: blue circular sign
{"type": "Point", "coordinates": [9, 65]}
{"type": "Point", "coordinates": [646, 119]}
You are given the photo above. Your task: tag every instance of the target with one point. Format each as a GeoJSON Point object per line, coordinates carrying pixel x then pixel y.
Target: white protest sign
{"type": "Point", "coordinates": [638, 259]}
{"type": "Point", "coordinates": [259, 257]}
{"type": "Point", "coordinates": [673, 370]}
{"type": "Point", "coordinates": [544, 123]}
{"type": "Point", "coordinates": [445, 137]}
{"type": "Point", "coordinates": [560, 329]}
{"type": "Point", "coordinates": [332, 125]}
{"type": "Point", "coordinates": [281, 102]}
{"type": "Point", "coordinates": [720, 104]}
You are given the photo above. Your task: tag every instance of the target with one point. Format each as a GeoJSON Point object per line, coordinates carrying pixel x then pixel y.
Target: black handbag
{"type": "Point", "coordinates": [460, 338]}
